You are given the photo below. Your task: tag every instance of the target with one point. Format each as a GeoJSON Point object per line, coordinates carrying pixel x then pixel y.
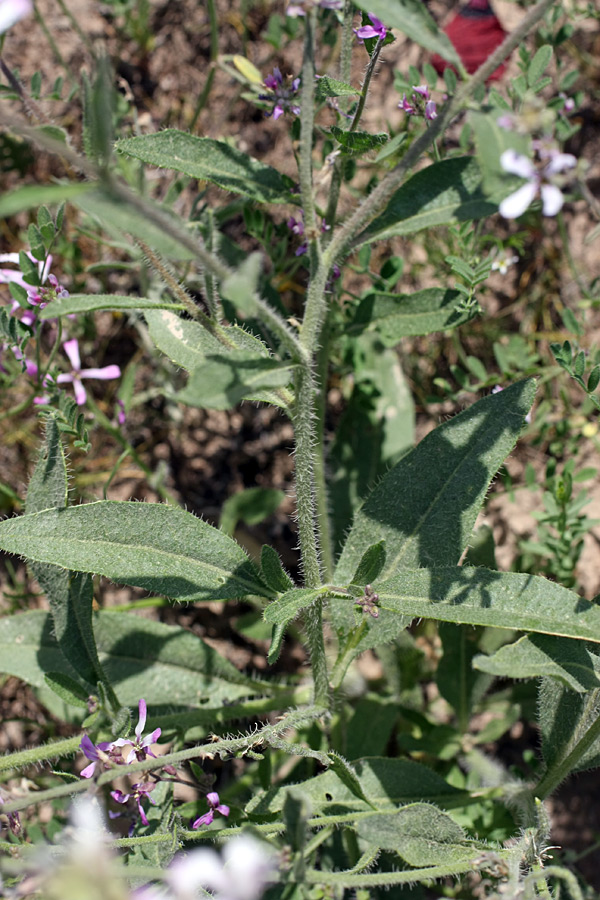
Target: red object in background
{"type": "Point", "coordinates": [475, 32]}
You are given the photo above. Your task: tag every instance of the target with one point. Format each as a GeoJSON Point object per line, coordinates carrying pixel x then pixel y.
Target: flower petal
{"type": "Point", "coordinates": [105, 373]}
{"type": "Point", "coordinates": [142, 704]}
{"type": "Point", "coordinates": [515, 204]}
{"type": "Point", "coordinates": [13, 10]}
{"type": "Point", "coordinates": [517, 164]}
{"type": "Point", "coordinates": [80, 392]}
{"type": "Point", "coordinates": [552, 199]}
{"type": "Point", "coordinates": [560, 162]}
{"type": "Point", "coordinates": [71, 348]}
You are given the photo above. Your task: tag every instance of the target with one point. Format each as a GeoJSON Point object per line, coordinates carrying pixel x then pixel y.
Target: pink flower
{"type": "Point", "coordinates": [138, 793]}
{"type": "Point", "coordinates": [214, 802]}
{"type": "Point", "coordinates": [375, 30]}
{"type": "Point", "coordinates": [139, 747]}
{"type": "Point", "coordinates": [74, 377]}
{"type": "Point", "coordinates": [96, 752]}
{"type": "Point", "coordinates": [13, 10]}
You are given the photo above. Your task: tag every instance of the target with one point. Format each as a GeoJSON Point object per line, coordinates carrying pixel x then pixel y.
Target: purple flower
{"type": "Point", "coordinates": [281, 94]}
{"type": "Point", "coordinates": [296, 226]}
{"type": "Point", "coordinates": [98, 753]}
{"type": "Point", "coordinates": [407, 107]}
{"type": "Point", "coordinates": [375, 30]}
{"type": "Point", "coordinates": [138, 793]}
{"type": "Point", "coordinates": [13, 10]}
{"type": "Point", "coordinates": [74, 377]}
{"type": "Point", "coordinates": [430, 110]}
{"type": "Point", "coordinates": [215, 805]}
{"type": "Point", "coordinates": [537, 181]}
{"type": "Point", "coordinates": [422, 90]}
{"type": "Point", "coordinates": [139, 747]}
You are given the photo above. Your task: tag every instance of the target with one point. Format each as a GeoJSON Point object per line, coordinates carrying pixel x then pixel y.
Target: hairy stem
{"type": "Point", "coordinates": [307, 124]}
{"type": "Point", "coordinates": [557, 773]}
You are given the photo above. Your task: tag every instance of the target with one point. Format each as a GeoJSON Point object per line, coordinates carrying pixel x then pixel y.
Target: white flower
{"type": "Point", "coordinates": [13, 10]}
{"type": "Point", "coordinates": [243, 873]}
{"type": "Point", "coordinates": [503, 263]}
{"type": "Point", "coordinates": [537, 181]}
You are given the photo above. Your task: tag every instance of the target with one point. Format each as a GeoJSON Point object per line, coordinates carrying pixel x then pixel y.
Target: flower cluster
{"type": "Point", "coordinates": [420, 103]}
{"type": "Point", "coordinates": [281, 94]}
{"type": "Point", "coordinates": [542, 178]}
{"type": "Point", "coordinates": [85, 865]}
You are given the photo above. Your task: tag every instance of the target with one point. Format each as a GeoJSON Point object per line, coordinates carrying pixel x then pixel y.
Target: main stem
{"type": "Point", "coordinates": [557, 773]}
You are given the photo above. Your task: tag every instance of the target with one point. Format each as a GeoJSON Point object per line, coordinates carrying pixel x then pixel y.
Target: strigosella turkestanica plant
{"type": "Point", "coordinates": [331, 793]}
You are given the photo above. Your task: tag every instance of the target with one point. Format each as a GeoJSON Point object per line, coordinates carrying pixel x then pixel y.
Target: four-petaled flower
{"type": "Point", "coordinates": [13, 10]}
{"type": "Point", "coordinates": [138, 793]}
{"type": "Point", "coordinates": [74, 377]}
{"type": "Point", "coordinates": [537, 181]}
{"type": "Point", "coordinates": [375, 30]}
{"type": "Point", "coordinates": [140, 747]}
{"type": "Point", "coordinates": [98, 753]}
{"type": "Point", "coordinates": [214, 802]}
{"type": "Point", "coordinates": [282, 96]}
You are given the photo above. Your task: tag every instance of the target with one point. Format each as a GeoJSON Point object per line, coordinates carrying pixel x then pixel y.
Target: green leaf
{"type": "Point", "coordinates": [537, 655]}
{"type": "Point", "coordinates": [32, 195]}
{"type": "Point", "coordinates": [277, 636]}
{"type": "Point", "coordinates": [287, 607]}
{"type": "Point", "coordinates": [167, 665]}
{"type": "Point", "coordinates": [564, 717]}
{"type": "Point", "coordinates": [70, 594]}
{"type": "Point", "coordinates": [82, 303]}
{"type": "Point", "coordinates": [594, 379]}
{"type": "Point", "coordinates": [481, 597]}
{"type": "Point", "coordinates": [159, 548]}
{"type": "Point", "coordinates": [67, 689]}
{"type": "Point", "coordinates": [118, 216]}
{"type": "Point", "coordinates": [386, 782]}
{"type": "Point", "coordinates": [491, 140]}
{"type": "Point", "coordinates": [371, 564]}
{"type": "Point", "coordinates": [458, 684]}
{"type": "Point", "coordinates": [240, 287]}
{"type": "Point", "coordinates": [443, 193]}
{"type": "Point", "coordinates": [228, 378]}
{"type": "Point", "coordinates": [395, 316]}
{"type": "Point", "coordinates": [421, 834]}
{"type": "Point", "coordinates": [412, 19]}
{"type": "Point", "coordinates": [273, 572]}
{"type": "Point", "coordinates": [210, 160]}
{"type": "Point", "coordinates": [427, 520]}
{"type": "Point", "coordinates": [354, 143]}
{"type": "Point", "coordinates": [251, 506]}
{"type": "Point", "coordinates": [329, 87]}
{"type": "Point", "coordinates": [539, 64]}
{"type": "Point", "coordinates": [188, 343]}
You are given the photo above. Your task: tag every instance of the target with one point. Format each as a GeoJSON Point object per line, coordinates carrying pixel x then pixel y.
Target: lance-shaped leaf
{"type": "Point", "coordinates": [210, 160]}
{"type": "Point", "coordinates": [425, 507]}
{"type": "Point", "coordinates": [329, 87]}
{"type": "Point", "coordinates": [187, 343]}
{"type": "Point", "coordinates": [443, 193]}
{"type": "Point", "coordinates": [118, 216]}
{"type": "Point", "coordinates": [228, 378]}
{"type": "Point", "coordinates": [166, 665]}
{"type": "Point", "coordinates": [473, 596]}
{"type": "Point", "coordinates": [412, 19]}
{"type": "Point", "coordinates": [69, 593]}
{"type": "Point", "coordinates": [355, 143]}
{"type": "Point", "coordinates": [395, 316]}
{"type": "Point", "coordinates": [290, 604]}
{"type": "Point", "coordinates": [537, 655]}
{"type": "Point", "coordinates": [421, 834]}
{"type": "Point", "coordinates": [82, 303]}
{"type": "Point", "coordinates": [385, 782]}
{"type": "Point", "coordinates": [35, 195]}
{"type": "Point", "coordinates": [149, 545]}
